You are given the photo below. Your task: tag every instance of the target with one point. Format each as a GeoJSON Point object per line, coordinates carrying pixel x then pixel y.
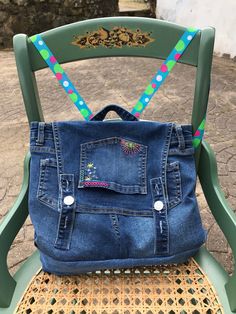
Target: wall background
{"type": "Point", "coordinates": [34, 16]}
{"type": "Point", "coordinates": [217, 13]}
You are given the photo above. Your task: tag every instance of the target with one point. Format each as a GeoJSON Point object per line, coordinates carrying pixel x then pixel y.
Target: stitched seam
{"type": "Point", "coordinates": [37, 149]}
{"type": "Point", "coordinates": [115, 210]}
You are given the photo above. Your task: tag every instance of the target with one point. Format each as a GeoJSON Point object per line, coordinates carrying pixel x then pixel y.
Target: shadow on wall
{"type": "Point", "coordinates": [33, 16]}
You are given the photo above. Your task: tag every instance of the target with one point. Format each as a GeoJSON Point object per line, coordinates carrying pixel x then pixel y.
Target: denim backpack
{"type": "Point", "coordinates": [113, 193]}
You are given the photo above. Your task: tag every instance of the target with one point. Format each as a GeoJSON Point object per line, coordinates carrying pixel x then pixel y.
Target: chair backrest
{"type": "Point", "coordinates": [153, 38]}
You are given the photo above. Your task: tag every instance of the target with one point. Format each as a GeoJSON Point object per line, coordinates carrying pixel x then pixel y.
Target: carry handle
{"type": "Point", "coordinates": [122, 113]}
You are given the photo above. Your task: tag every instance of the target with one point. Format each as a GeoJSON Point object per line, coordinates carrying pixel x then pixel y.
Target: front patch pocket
{"type": "Point", "coordinates": [114, 163]}
{"type": "Point", "coordinates": [48, 183]}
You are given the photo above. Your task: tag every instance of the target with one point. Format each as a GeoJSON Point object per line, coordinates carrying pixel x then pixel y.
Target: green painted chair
{"type": "Point", "coordinates": [201, 272]}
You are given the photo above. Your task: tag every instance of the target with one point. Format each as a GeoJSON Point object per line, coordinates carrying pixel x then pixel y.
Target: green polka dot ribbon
{"type": "Point", "coordinates": [61, 76]}
{"type": "Point", "coordinates": [198, 135]}
{"type": "Point", "coordinates": [164, 70]}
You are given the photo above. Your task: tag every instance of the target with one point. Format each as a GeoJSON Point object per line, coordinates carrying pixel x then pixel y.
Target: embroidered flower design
{"type": "Point", "coordinates": [90, 172]}
{"type": "Point", "coordinates": [129, 147]}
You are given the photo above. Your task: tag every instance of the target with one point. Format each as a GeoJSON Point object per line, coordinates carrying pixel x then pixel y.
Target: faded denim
{"type": "Point", "coordinates": [115, 171]}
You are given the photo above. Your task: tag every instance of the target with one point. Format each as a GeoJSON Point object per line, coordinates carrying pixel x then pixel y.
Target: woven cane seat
{"type": "Point", "coordinates": [181, 289]}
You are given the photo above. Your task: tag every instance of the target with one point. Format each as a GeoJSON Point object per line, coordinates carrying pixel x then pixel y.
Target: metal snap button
{"type": "Point", "coordinates": [68, 200]}
{"type": "Point", "coordinates": [158, 205]}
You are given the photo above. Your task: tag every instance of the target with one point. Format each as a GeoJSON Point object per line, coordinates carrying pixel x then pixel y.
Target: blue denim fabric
{"type": "Point", "coordinates": [116, 171]}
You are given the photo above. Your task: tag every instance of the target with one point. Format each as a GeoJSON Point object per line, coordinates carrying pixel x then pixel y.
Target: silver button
{"type": "Point", "coordinates": [69, 200]}
{"type": "Point", "coordinates": [158, 205]}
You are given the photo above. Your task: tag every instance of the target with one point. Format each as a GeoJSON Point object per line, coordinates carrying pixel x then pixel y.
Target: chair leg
{"type": "Point", "coordinates": [9, 228]}
{"type": "Point", "coordinates": [7, 285]}
{"type": "Point", "coordinates": [230, 288]}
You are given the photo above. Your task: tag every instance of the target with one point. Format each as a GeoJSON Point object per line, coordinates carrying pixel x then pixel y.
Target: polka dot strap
{"type": "Point", "coordinates": [198, 135]}
{"type": "Point", "coordinates": [61, 76]}
{"type": "Point", "coordinates": [164, 70]}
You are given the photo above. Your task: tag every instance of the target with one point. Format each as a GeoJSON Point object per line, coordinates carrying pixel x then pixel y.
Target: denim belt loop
{"type": "Point", "coordinates": [40, 138]}
{"type": "Point", "coordinates": [180, 136]}
{"type": "Point", "coordinates": [67, 211]}
{"type": "Point", "coordinates": [160, 217]}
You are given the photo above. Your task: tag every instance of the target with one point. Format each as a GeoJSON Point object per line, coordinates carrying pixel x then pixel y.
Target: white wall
{"type": "Point", "coordinates": [220, 14]}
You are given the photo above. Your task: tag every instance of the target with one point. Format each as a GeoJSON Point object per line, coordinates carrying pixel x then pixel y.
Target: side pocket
{"type": "Point", "coordinates": [48, 183]}
{"type": "Point", "coordinates": [173, 179]}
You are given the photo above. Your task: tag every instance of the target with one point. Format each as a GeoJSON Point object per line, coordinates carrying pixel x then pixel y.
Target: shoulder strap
{"type": "Point", "coordinates": [61, 76]}
{"type": "Point", "coordinates": [145, 98]}
{"type": "Point", "coordinates": [198, 135]}
{"type": "Point", "coordinates": [164, 70]}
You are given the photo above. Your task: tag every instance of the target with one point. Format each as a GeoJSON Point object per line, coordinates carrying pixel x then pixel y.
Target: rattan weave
{"type": "Point", "coordinates": [181, 289]}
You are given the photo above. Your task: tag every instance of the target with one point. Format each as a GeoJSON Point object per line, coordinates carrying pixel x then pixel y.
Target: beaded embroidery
{"type": "Point", "coordinates": [96, 184]}
{"type": "Point", "coordinates": [130, 148]}
{"type": "Point", "coordinates": [90, 172]}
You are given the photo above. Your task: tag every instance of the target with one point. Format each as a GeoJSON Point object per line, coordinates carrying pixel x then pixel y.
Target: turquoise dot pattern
{"type": "Point", "coordinates": [61, 76]}
{"type": "Point", "coordinates": [164, 70]}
